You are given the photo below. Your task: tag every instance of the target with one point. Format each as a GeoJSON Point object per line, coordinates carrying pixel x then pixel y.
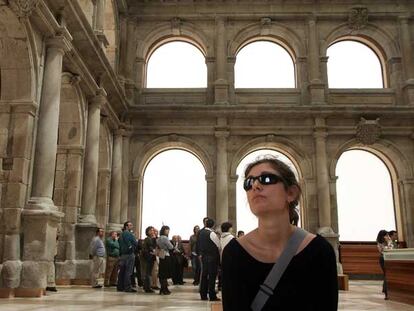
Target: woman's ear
{"type": "Point", "coordinates": [293, 193]}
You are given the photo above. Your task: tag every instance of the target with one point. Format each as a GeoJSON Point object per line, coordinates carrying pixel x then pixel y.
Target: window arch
{"type": "Point", "coordinates": [354, 64]}
{"type": "Point", "coordinates": [166, 198]}
{"type": "Point", "coordinates": [246, 221]}
{"type": "Point", "coordinates": [364, 196]}
{"type": "Point", "coordinates": [176, 64]}
{"type": "Point", "coordinates": [264, 64]}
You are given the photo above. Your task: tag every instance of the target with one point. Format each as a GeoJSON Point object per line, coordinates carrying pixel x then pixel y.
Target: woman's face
{"type": "Point", "coordinates": [267, 199]}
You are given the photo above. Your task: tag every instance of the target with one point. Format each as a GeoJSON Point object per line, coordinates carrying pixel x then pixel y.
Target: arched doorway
{"type": "Point", "coordinates": [364, 195]}
{"type": "Point", "coordinates": [174, 192]}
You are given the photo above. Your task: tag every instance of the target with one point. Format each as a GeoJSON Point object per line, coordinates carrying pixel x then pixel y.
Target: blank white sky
{"type": "Point", "coordinates": [363, 207]}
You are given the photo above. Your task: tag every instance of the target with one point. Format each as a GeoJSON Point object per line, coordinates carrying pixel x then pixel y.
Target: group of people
{"type": "Point", "coordinates": [386, 240]}
{"type": "Point", "coordinates": [277, 266]}
{"type": "Point", "coordinates": [154, 259]}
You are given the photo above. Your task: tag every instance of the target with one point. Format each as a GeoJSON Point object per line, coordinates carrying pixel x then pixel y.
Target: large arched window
{"type": "Point", "coordinates": [246, 221]}
{"type": "Point", "coordinates": [352, 64]}
{"type": "Point", "coordinates": [264, 64]}
{"type": "Point", "coordinates": [177, 65]}
{"type": "Point", "coordinates": [174, 193]}
{"type": "Point", "coordinates": [364, 194]}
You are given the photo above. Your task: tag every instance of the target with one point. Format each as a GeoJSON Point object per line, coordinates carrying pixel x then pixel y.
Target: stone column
{"type": "Point", "coordinates": [323, 188]}
{"type": "Point", "coordinates": [40, 217]}
{"type": "Point", "coordinates": [407, 53]}
{"type": "Point", "coordinates": [100, 15]}
{"type": "Point", "coordinates": [316, 85]}
{"type": "Point", "coordinates": [47, 130]}
{"type": "Point", "coordinates": [406, 220]}
{"type": "Point", "coordinates": [116, 184]}
{"type": "Point", "coordinates": [221, 84]}
{"type": "Point", "coordinates": [324, 203]}
{"type": "Point", "coordinates": [125, 176]}
{"type": "Point", "coordinates": [211, 195]}
{"type": "Point", "coordinates": [91, 163]}
{"type": "Point", "coordinates": [222, 204]}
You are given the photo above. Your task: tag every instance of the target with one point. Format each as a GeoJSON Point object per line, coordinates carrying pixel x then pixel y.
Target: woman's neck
{"type": "Point", "coordinates": [274, 231]}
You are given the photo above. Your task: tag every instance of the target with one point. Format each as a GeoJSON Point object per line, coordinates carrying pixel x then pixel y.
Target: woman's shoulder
{"type": "Point", "coordinates": [318, 245]}
{"type": "Point", "coordinates": [233, 248]}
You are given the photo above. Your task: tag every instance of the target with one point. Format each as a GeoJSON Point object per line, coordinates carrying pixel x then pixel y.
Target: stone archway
{"type": "Point", "coordinates": [148, 152]}
{"type": "Point", "coordinates": [401, 172]}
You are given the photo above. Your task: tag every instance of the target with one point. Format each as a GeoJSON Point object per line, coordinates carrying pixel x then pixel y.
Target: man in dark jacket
{"type": "Point", "coordinates": [209, 249]}
{"type": "Point", "coordinates": [127, 246]}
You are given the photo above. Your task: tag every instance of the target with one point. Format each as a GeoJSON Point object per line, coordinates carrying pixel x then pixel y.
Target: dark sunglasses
{"type": "Point", "coordinates": [264, 179]}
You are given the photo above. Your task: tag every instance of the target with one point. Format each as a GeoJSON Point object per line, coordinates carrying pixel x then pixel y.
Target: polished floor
{"type": "Point", "coordinates": [363, 295]}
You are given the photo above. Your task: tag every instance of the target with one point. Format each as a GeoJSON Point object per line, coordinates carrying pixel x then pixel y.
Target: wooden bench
{"type": "Point", "coordinates": [343, 282]}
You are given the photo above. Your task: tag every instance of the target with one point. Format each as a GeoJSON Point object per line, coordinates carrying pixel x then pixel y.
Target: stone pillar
{"type": "Point", "coordinates": [221, 84]}
{"type": "Point", "coordinates": [211, 195]}
{"type": "Point", "coordinates": [222, 204]}
{"type": "Point", "coordinates": [210, 63]}
{"type": "Point", "coordinates": [324, 203]}
{"type": "Point", "coordinates": [47, 130]}
{"type": "Point", "coordinates": [323, 189]}
{"type": "Point", "coordinates": [316, 85]}
{"type": "Point", "coordinates": [100, 15]}
{"type": "Point", "coordinates": [406, 220]}
{"type": "Point", "coordinates": [40, 217]}
{"type": "Point", "coordinates": [232, 217]}
{"type": "Point", "coordinates": [90, 174]}
{"type": "Point", "coordinates": [408, 65]}
{"type": "Point", "coordinates": [125, 177]}
{"type": "Point", "coordinates": [116, 184]}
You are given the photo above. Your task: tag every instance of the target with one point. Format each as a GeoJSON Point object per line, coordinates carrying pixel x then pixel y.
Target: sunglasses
{"type": "Point", "coordinates": [264, 179]}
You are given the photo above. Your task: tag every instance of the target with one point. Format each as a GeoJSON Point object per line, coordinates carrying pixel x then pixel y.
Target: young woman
{"type": "Point", "coordinates": [383, 242]}
{"type": "Point", "coordinates": [165, 269]}
{"type": "Point", "coordinates": [309, 281]}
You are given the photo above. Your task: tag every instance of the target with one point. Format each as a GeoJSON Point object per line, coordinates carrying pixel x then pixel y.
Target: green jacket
{"type": "Point", "coordinates": [112, 247]}
{"type": "Point", "coordinates": [127, 243]}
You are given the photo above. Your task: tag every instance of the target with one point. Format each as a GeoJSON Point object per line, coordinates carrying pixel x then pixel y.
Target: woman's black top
{"type": "Point", "coordinates": [309, 283]}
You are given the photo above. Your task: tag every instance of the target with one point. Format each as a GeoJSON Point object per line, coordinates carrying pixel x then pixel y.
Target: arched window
{"type": "Point", "coordinates": [352, 64]}
{"type": "Point", "coordinates": [364, 194]}
{"type": "Point", "coordinates": [177, 65]}
{"type": "Point", "coordinates": [174, 193]}
{"type": "Point", "coordinates": [264, 64]}
{"type": "Point", "coordinates": [246, 221]}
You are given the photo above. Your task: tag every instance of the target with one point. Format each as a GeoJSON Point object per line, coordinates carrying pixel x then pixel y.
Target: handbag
{"type": "Point", "coordinates": [267, 288]}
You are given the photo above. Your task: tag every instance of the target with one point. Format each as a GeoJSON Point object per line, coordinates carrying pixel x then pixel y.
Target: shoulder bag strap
{"type": "Point", "coordinates": [267, 288]}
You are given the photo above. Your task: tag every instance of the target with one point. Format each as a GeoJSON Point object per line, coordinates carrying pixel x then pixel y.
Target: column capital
{"type": "Point", "coordinates": [100, 99]}
{"type": "Point", "coordinates": [221, 133]}
{"type": "Point", "coordinates": [320, 134]}
{"type": "Point", "coordinates": [59, 42]}
{"type": "Point", "coordinates": [404, 18]}
{"type": "Point", "coordinates": [23, 8]}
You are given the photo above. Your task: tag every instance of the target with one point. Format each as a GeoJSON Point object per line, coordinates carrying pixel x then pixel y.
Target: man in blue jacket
{"type": "Point", "coordinates": [127, 246]}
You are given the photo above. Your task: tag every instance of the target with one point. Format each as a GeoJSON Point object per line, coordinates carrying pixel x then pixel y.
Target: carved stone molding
{"type": "Point", "coordinates": [358, 18]}
{"type": "Point", "coordinates": [176, 26]}
{"type": "Point", "coordinates": [23, 8]}
{"type": "Point", "coordinates": [368, 131]}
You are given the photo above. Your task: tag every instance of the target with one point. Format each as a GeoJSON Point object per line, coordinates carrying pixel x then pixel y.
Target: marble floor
{"type": "Point", "coordinates": [363, 295]}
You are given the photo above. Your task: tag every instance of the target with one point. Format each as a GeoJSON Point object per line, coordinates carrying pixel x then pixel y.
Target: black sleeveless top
{"type": "Point", "coordinates": [309, 283]}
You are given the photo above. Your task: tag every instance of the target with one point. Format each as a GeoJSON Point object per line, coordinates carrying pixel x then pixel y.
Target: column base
{"type": "Point", "coordinates": [84, 233]}
{"type": "Point", "coordinates": [333, 239]}
{"type": "Point", "coordinates": [408, 91]}
{"type": "Point", "coordinates": [317, 92]}
{"type": "Point", "coordinates": [114, 227]}
{"type": "Point", "coordinates": [41, 203]}
{"type": "Point", "coordinates": [221, 92]}
{"type": "Point", "coordinates": [87, 219]}
{"type": "Point", "coordinates": [73, 272]}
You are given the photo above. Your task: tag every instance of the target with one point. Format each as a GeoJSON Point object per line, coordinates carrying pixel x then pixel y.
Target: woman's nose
{"type": "Point", "coordinates": [256, 184]}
